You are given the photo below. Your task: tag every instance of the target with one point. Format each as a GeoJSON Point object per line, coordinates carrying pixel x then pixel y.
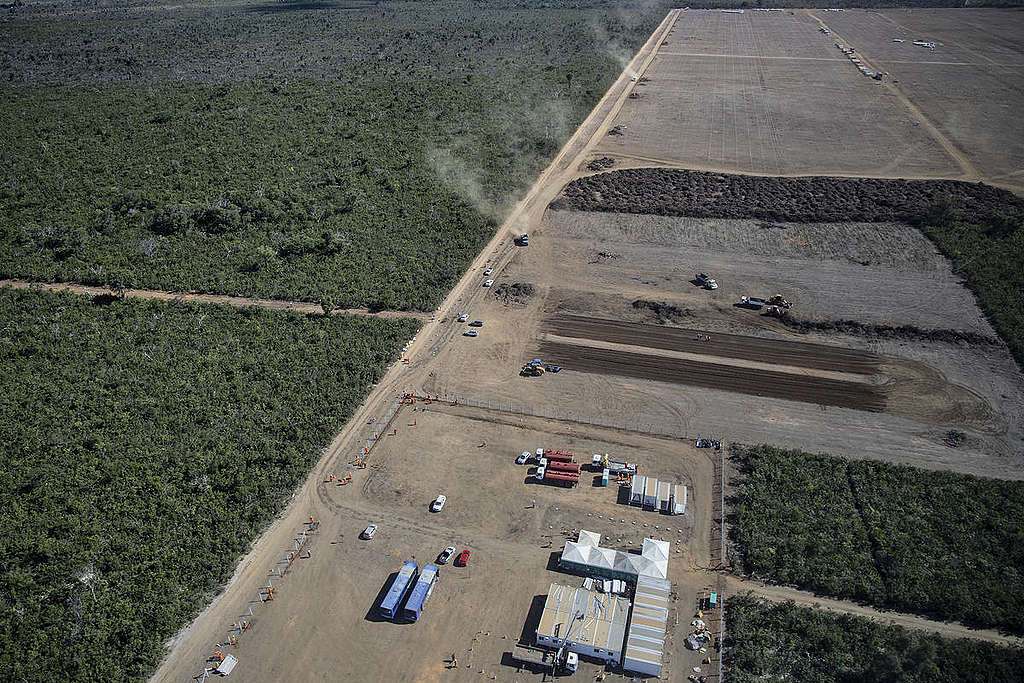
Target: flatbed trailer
{"type": "Point", "coordinates": [534, 655]}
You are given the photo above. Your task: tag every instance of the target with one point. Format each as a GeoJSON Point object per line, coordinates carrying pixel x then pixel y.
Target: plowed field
{"type": "Point", "coordinates": [753, 381]}
{"type": "Point", "coordinates": [780, 352]}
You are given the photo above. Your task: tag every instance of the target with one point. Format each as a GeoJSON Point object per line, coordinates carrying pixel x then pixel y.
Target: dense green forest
{"type": "Point", "coordinates": [364, 152]}
{"type": "Point", "coordinates": [782, 642]}
{"type": "Point", "coordinates": [987, 248]}
{"type": "Point", "coordinates": [145, 445]}
{"type": "Point", "coordinates": [950, 546]}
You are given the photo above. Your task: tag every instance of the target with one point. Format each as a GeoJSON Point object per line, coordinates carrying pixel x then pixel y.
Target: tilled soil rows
{"type": "Point", "coordinates": [676, 192]}
{"type": "Point", "coordinates": [781, 352]}
{"type": "Point", "coordinates": [713, 376]}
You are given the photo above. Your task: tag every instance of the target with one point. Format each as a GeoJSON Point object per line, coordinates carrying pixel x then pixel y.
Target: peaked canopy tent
{"type": "Point", "coordinates": [587, 557]}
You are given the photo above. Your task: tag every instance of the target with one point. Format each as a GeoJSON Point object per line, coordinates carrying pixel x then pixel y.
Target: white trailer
{"type": "Point", "coordinates": [678, 506]}
{"type": "Point", "coordinates": [664, 496]}
{"type": "Point", "coordinates": [636, 490]}
{"type": "Point", "coordinates": [651, 493]}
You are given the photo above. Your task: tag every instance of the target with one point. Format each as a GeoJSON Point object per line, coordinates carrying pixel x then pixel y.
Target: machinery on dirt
{"type": "Point", "coordinates": [780, 301]}
{"type": "Point", "coordinates": [535, 368]}
{"type": "Point", "coordinates": [706, 281]}
{"type": "Point", "coordinates": [757, 303]}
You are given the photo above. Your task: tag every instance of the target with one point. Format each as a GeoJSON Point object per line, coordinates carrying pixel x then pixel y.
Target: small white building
{"type": "Point", "coordinates": [587, 622]}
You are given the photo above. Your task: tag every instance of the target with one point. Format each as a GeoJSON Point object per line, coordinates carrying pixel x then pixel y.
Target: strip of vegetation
{"type": "Point", "coordinates": [783, 642]}
{"type": "Point", "coordinates": [950, 546]}
{"type": "Point", "coordinates": [145, 444]}
{"type": "Point", "coordinates": [875, 331]}
{"type": "Point", "coordinates": [812, 199]}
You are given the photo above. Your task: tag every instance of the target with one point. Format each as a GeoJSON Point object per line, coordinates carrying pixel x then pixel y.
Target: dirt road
{"type": "Point", "coordinates": [237, 301]}
{"type": "Point", "coordinates": [190, 648]}
{"type": "Point", "coordinates": [808, 599]}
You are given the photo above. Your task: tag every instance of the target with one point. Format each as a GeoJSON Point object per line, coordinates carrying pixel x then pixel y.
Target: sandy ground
{"type": "Point", "coordinates": [968, 86]}
{"type": "Point", "coordinates": [768, 93]}
{"type": "Point", "coordinates": [321, 624]}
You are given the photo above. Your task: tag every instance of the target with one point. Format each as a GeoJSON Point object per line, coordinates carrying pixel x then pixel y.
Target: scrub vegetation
{"type": "Point", "coordinates": [145, 444]}
{"type": "Point", "coordinates": [783, 642]}
{"type": "Point", "coordinates": [946, 545]}
{"type": "Point", "coordinates": [362, 152]}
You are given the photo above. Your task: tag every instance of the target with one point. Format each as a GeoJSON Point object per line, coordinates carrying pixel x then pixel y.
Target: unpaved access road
{"type": "Point", "coordinates": [949, 629]}
{"type": "Point", "coordinates": [190, 649]}
{"type": "Point", "coordinates": [236, 301]}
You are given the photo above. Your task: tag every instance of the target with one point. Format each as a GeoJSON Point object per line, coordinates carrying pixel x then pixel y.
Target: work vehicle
{"type": "Point", "coordinates": [400, 587]}
{"type": "Point", "coordinates": [470, 333]}
{"type": "Point", "coordinates": [523, 240]}
{"type": "Point", "coordinates": [488, 283]}
{"type": "Point", "coordinates": [463, 559]}
{"type": "Point", "coordinates": [553, 368]}
{"type": "Point", "coordinates": [546, 659]}
{"type": "Point", "coordinates": [438, 503]}
{"type": "Point", "coordinates": [421, 592]}
{"type": "Point", "coordinates": [531, 370]}
{"type": "Point", "coordinates": [477, 323]}
{"type": "Point", "coordinates": [779, 300]}
{"type": "Point", "coordinates": [706, 281]}
{"type": "Point", "coordinates": [368, 532]}
{"type": "Point", "coordinates": [463, 317]}
{"type": "Point", "coordinates": [752, 302]}
{"type": "Point", "coordinates": [523, 457]}
{"type": "Point", "coordinates": [488, 271]}
{"type": "Point", "coordinates": [446, 555]}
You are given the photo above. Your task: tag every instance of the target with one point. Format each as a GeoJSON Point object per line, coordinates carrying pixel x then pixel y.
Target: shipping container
{"type": "Point", "coordinates": [636, 490]}
{"type": "Point", "coordinates": [664, 496]}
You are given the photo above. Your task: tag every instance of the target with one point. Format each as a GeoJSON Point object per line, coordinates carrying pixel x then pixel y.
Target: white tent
{"type": "Point", "coordinates": [588, 557]}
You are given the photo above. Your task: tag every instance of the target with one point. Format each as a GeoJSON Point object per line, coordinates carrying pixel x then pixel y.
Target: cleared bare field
{"type": "Point", "coordinates": [768, 93]}
{"type": "Point", "coordinates": [323, 621]}
{"type": "Point", "coordinates": [969, 86]}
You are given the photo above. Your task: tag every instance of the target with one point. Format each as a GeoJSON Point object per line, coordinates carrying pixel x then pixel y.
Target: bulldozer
{"type": "Point", "coordinates": [780, 301]}
{"type": "Point", "coordinates": [531, 370]}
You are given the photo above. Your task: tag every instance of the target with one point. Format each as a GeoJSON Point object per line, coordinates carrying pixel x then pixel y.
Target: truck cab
{"type": "Point", "coordinates": [572, 662]}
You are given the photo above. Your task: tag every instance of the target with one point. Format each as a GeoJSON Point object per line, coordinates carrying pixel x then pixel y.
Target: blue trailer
{"type": "Point", "coordinates": [399, 589]}
{"type": "Point", "coordinates": [420, 593]}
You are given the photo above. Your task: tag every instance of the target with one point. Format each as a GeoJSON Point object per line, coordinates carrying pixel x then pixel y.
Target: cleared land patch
{"type": "Point", "coordinates": [936, 543]}
{"type": "Point", "coordinates": [146, 444]}
{"type": "Point", "coordinates": [766, 92]}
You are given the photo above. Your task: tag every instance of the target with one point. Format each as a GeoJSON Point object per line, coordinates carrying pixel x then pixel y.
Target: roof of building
{"type": "Point", "coordinates": [645, 642]}
{"type": "Point", "coordinates": [604, 617]}
{"type": "Point", "coordinates": [652, 561]}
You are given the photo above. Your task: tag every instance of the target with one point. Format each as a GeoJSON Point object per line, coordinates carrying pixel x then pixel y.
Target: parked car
{"type": "Point", "coordinates": [463, 559]}
{"type": "Point", "coordinates": [368, 532]}
{"type": "Point", "coordinates": [446, 555]}
{"type": "Point", "coordinates": [477, 323]}
{"type": "Point", "coordinates": [488, 283]}
{"type": "Point", "coordinates": [438, 503]}
{"type": "Point", "coordinates": [554, 368]}
{"type": "Point", "coordinates": [470, 333]}
{"type": "Point", "coordinates": [523, 457]}
{"type": "Point", "coordinates": [706, 281]}
{"type": "Point", "coordinates": [463, 317]}
{"type": "Point", "coordinates": [488, 271]}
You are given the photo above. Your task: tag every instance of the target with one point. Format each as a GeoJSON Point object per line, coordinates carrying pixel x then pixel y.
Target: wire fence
{"type": "Point", "coordinates": [513, 408]}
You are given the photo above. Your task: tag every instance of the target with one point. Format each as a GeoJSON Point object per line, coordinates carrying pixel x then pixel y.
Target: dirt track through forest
{"type": "Point", "coordinates": [808, 599]}
{"type": "Point", "coordinates": [236, 301]}
{"type": "Point", "coordinates": [756, 382]}
{"type": "Point", "coordinates": [776, 351]}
